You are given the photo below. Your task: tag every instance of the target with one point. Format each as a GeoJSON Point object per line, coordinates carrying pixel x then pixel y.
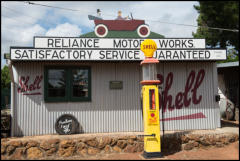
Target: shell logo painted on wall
{"type": "Point", "coordinates": [28, 88]}
{"type": "Point", "coordinates": [183, 98]}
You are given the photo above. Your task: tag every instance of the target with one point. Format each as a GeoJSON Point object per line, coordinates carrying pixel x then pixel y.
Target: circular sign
{"type": "Point", "coordinates": [66, 124]}
{"type": "Point", "coordinates": [148, 46]}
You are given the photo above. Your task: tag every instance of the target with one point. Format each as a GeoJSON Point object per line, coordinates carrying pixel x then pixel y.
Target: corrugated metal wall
{"type": "Point", "coordinates": [208, 89]}
{"type": "Point", "coordinates": [112, 110]}
{"type": "Point", "coordinates": [109, 110]}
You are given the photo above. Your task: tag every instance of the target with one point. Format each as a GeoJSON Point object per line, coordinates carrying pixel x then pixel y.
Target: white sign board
{"type": "Point", "coordinates": [18, 53]}
{"type": "Point", "coordinates": [76, 48]}
{"type": "Point", "coordinates": [115, 43]}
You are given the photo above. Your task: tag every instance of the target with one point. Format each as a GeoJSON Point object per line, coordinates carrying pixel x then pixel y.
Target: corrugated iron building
{"type": "Point", "coordinates": [118, 110]}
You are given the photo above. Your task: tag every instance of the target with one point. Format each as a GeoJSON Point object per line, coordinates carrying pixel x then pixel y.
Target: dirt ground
{"type": "Point", "coordinates": [229, 152]}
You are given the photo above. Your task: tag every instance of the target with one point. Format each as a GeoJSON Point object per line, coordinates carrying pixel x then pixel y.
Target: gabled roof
{"type": "Point", "coordinates": [122, 34]}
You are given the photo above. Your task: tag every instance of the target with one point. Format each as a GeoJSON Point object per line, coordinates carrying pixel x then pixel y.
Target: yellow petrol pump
{"type": "Point", "coordinates": [152, 144]}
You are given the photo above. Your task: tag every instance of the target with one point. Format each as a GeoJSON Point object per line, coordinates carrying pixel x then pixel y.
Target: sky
{"type": "Point", "coordinates": [21, 21]}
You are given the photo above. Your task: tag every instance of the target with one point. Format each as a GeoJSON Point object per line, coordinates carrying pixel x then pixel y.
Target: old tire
{"type": "Point", "coordinates": [66, 124]}
{"type": "Point", "coordinates": [143, 30]}
{"type": "Point", "coordinates": [101, 30]}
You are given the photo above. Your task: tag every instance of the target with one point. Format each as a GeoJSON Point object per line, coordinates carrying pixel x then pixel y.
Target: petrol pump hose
{"type": "Point", "coordinates": [162, 117]}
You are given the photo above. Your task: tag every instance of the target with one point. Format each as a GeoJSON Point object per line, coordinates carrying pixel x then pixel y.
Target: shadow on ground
{"type": "Point", "coordinates": [227, 123]}
{"type": "Point", "coordinates": [172, 143]}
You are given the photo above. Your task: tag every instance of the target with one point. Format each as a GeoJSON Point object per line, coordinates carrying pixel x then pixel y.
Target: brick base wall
{"type": "Point", "coordinates": [62, 147]}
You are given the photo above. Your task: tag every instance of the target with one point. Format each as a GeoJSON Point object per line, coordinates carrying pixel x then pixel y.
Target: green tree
{"type": "Point", "coordinates": [220, 14]}
{"type": "Point", "coordinates": [232, 56]}
{"type": "Point", "coordinates": [5, 78]}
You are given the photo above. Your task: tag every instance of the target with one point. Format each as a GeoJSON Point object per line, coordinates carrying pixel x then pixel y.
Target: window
{"type": "Point", "coordinates": [56, 83]}
{"type": "Point", "coordinates": [80, 84]}
{"type": "Point", "coordinates": [67, 84]}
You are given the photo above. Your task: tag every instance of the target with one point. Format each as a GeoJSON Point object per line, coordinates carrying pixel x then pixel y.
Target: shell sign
{"type": "Point", "coordinates": [148, 47]}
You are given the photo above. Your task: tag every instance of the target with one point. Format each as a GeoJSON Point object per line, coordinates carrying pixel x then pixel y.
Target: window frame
{"type": "Point", "coordinates": [69, 87]}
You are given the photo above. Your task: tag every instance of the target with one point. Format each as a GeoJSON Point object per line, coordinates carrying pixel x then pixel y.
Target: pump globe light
{"type": "Point", "coordinates": [148, 47]}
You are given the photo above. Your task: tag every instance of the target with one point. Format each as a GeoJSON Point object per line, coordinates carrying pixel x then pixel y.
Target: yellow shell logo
{"type": "Point", "coordinates": [148, 47]}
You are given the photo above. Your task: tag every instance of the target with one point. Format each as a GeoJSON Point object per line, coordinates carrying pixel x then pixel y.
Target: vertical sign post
{"type": "Point", "coordinates": [152, 143]}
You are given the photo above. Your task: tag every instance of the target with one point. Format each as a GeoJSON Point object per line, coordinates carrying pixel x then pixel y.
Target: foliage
{"type": "Point", "coordinates": [219, 14]}
{"type": "Point", "coordinates": [232, 56]}
{"type": "Point", "coordinates": [5, 78]}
